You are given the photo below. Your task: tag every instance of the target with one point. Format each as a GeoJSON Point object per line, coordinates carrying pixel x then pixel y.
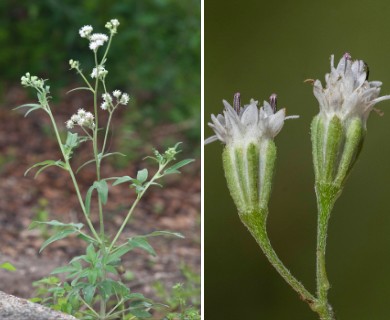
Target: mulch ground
{"type": "Point", "coordinates": [25, 141]}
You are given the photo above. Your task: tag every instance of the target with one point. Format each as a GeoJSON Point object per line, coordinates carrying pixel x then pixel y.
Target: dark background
{"type": "Point", "coordinates": [257, 48]}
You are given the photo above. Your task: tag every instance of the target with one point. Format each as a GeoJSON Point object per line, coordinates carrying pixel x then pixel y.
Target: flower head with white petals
{"type": "Point", "coordinates": [244, 125]}
{"type": "Point", "coordinates": [348, 93]}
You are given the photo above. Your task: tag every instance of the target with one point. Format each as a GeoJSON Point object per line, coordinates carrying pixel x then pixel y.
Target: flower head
{"type": "Point", "coordinates": [238, 125]}
{"type": "Point", "coordinates": [338, 131]}
{"type": "Point", "coordinates": [348, 93]}
{"type": "Point", "coordinates": [99, 72]}
{"type": "Point", "coordinates": [85, 31]}
{"type": "Point", "coordinates": [82, 118]}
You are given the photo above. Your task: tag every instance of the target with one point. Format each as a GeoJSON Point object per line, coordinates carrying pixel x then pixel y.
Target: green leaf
{"type": "Point", "coordinates": [92, 275]}
{"type": "Point", "coordinates": [89, 292]}
{"type": "Point", "coordinates": [173, 169]}
{"type": "Point", "coordinates": [164, 233]}
{"type": "Point", "coordinates": [32, 106]}
{"type": "Point", "coordinates": [7, 266]}
{"type": "Point", "coordinates": [102, 189]}
{"type": "Point", "coordinates": [142, 175]}
{"type": "Point", "coordinates": [80, 88]}
{"type": "Point", "coordinates": [142, 243]}
{"type": "Point", "coordinates": [58, 236]}
{"type": "Point", "coordinates": [88, 199]}
{"type": "Point", "coordinates": [122, 180]}
{"type": "Point", "coordinates": [71, 140]}
{"type": "Point", "coordinates": [91, 254]}
{"type": "Point", "coordinates": [64, 269]}
{"type": "Point", "coordinates": [55, 223]}
{"type": "Point", "coordinates": [116, 255]}
{"type": "Point", "coordinates": [45, 164]}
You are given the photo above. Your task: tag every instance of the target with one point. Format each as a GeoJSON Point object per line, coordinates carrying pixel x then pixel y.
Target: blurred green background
{"type": "Point", "coordinates": [155, 56]}
{"type": "Point", "coordinates": [261, 47]}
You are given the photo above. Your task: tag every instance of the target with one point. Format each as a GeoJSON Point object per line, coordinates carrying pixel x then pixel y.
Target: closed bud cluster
{"type": "Point", "coordinates": [250, 153]}
{"type": "Point", "coordinates": [33, 81]}
{"type": "Point", "coordinates": [74, 64]}
{"type": "Point", "coordinates": [112, 25]}
{"type": "Point", "coordinates": [338, 130]}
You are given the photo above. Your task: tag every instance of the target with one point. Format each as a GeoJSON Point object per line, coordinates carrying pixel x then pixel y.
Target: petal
{"type": "Point", "coordinates": [276, 122]}
{"type": "Point", "coordinates": [250, 116]}
{"type": "Point", "coordinates": [210, 139]}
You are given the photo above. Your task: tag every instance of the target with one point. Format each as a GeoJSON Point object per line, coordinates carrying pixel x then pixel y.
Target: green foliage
{"type": "Point", "coordinates": [7, 266]}
{"type": "Point", "coordinates": [157, 53]}
{"type": "Point", "coordinates": [183, 299]}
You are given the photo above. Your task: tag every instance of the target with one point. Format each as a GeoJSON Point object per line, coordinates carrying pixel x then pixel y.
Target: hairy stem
{"type": "Point", "coordinates": [326, 197]}
{"type": "Point", "coordinates": [256, 224]}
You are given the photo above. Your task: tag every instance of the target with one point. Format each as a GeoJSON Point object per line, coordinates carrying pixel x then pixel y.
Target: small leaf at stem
{"type": "Point", "coordinates": [142, 175]}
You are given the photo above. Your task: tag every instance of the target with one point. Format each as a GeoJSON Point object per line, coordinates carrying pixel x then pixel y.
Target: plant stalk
{"type": "Point", "coordinates": [326, 197]}
{"type": "Point", "coordinates": [256, 223]}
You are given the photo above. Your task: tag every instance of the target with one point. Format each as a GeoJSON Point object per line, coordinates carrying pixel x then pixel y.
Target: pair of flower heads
{"type": "Point", "coordinates": [347, 95]}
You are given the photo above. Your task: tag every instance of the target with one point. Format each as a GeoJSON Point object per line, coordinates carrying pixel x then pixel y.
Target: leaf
{"type": "Point", "coordinates": [89, 292]}
{"type": "Point", "coordinates": [84, 164]}
{"type": "Point", "coordinates": [173, 169]}
{"type": "Point", "coordinates": [116, 255]}
{"type": "Point", "coordinates": [164, 233]}
{"type": "Point", "coordinates": [142, 175]}
{"type": "Point", "coordinates": [32, 106]}
{"type": "Point", "coordinates": [122, 180]}
{"type": "Point", "coordinates": [102, 189]}
{"type": "Point", "coordinates": [71, 140]}
{"type": "Point", "coordinates": [64, 269]}
{"type": "Point", "coordinates": [142, 243]}
{"type": "Point", "coordinates": [45, 164]}
{"type": "Point", "coordinates": [7, 266]}
{"type": "Point", "coordinates": [55, 223]}
{"type": "Point", "coordinates": [58, 236]}
{"type": "Point", "coordinates": [80, 88]}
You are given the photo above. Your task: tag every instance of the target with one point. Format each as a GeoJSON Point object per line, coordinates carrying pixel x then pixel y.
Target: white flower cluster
{"type": "Point", "coordinates": [348, 92]}
{"type": "Point", "coordinates": [85, 31]}
{"type": "Point", "coordinates": [32, 81]}
{"type": "Point", "coordinates": [82, 118]}
{"type": "Point", "coordinates": [100, 72]}
{"type": "Point", "coordinates": [121, 98]}
{"type": "Point", "coordinates": [112, 25]}
{"type": "Point", "coordinates": [96, 39]}
{"type": "Point", "coordinates": [248, 124]}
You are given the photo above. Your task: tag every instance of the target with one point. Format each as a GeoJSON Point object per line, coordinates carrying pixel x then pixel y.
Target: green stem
{"type": "Point", "coordinates": [69, 168]}
{"type": "Point", "coordinates": [326, 197]}
{"type": "Point", "coordinates": [256, 224]}
{"type": "Point", "coordinates": [124, 223]}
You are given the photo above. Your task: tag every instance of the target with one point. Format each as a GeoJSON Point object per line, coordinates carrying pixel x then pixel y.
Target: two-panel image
{"type": "Point", "coordinates": [191, 160]}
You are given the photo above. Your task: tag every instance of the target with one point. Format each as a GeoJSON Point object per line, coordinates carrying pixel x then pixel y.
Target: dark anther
{"type": "Point", "coordinates": [367, 70]}
{"type": "Point", "coordinates": [273, 101]}
{"type": "Point", "coordinates": [237, 102]}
